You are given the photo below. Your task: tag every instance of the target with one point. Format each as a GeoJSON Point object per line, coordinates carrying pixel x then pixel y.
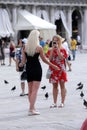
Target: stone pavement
{"type": "Point", "coordinates": [14, 109]}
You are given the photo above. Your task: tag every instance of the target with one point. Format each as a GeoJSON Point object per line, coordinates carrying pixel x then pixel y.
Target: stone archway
{"type": "Point", "coordinates": [23, 34]}
{"type": "Point", "coordinates": [59, 27]}
{"type": "Point", "coordinates": [76, 23]}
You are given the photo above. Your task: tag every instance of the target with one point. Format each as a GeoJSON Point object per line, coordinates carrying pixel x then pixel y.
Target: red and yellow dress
{"type": "Point", "coordinates": [58, 75]}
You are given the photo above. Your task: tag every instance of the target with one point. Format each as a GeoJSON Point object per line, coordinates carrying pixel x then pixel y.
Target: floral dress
{"type": "Point", "coordinates": [58, 75]}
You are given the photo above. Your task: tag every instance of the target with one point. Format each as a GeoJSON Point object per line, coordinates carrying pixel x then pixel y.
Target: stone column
{"type": "Point", "coordinates": [34, 10]}
{"type": "Point", "coordinates": [14, 18]}
{"type": "Point", "coordinates": [84, 28]}
{"type": "Point", "coordinates": [69, 20]}
{"type": "Point", "coordinates": [14, 22]}
{"type": "Point", "coordinates": [52, 20]}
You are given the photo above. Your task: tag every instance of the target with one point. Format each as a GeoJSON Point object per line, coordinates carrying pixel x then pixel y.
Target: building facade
{"type": "Point", "coordinates": [69, 16]}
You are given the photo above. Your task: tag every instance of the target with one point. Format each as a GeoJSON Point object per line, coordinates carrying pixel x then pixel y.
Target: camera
{"type": "Point", "coordinates": [54, 43]}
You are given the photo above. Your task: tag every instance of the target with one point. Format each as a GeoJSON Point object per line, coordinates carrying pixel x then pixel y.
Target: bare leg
{"type": "Point", "coordinates": [9, 60]}
{"type": "Point", "coordinates": [69, 65]}
{"type": "Point", "coordinates": [23, 87]}
{"type": "Point", "coordinates": [29, 90]}
{"type": "Point", "coordinates": [55, 92]}
{"type": "Point", "coordinates": [63, 91]}
{"type": "Point", "coordinates": [14, 59]}
{"type": "Point", "coordinates": [33, 89]}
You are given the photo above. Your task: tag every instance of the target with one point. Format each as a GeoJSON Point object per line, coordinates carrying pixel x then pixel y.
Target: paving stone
{"type": "Point", "coordinates": [14, 109]}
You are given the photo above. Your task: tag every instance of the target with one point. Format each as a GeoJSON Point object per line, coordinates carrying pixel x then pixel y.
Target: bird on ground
{"type": "Point", "coordinates": [79, 84]}
{"type": "Point", "coordinates": [85, 103]}
{"type": "Point", "coordinates": [13, 88]}
{"type": "Point", "coordinates": [80, 87]}
{"type": "Point", "coordinates": [46, 95]}
{"type": "Point", "coordinates": [81, 94]}
{"type": "Point", "coordinates": [26, 94]}
{"type": "Point", "coordinates": [44, 87]}
{"type": "Point", "coordinates": [6, 82]}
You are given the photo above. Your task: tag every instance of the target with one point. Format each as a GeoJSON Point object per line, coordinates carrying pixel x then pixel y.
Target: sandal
{"type": "Point", "coordinates": [53, 106]}
{"type": "Point", "coordinates": [33, 112]}
{"type": "Point", "coordinates": [61, 105]}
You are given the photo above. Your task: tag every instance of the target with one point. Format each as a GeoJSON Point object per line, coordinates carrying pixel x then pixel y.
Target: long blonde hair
{"type": "Point", "coordinates": [32, 42]}
{"type": "Point", "coordinates": [60, 40]}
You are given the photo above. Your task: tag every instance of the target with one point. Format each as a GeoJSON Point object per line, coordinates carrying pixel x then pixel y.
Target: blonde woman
{"type": "Point", "coordinates": [57, 55]}
{"type": "Point", "coordinates": [33, 68]}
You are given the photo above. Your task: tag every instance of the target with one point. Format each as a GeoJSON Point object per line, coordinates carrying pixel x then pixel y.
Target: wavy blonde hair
{"type": "Point", "coordinates": [32, 42]}
{"type": "Point", "coordinates": [59, 39]}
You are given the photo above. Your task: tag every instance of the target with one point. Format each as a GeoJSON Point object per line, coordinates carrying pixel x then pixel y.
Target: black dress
{"type": "Point", "coordinates": [33, 68]}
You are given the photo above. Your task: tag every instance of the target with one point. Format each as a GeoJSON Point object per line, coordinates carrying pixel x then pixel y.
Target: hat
{"type": "Point", "coordinates": [24, 40]}
{"type": "Point", "coordinates": [62, 39]}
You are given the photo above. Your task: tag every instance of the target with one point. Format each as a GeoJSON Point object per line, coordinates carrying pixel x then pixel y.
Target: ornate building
{"type": "Point", "coordinates": [69, 16]}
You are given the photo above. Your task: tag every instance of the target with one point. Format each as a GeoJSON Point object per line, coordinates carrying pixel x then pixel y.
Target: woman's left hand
{"type": "Point", "coordinates": [21, 65]}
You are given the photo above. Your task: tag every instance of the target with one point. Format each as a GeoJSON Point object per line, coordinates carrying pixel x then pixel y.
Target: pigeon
{"type": "Point", "coordinates": [44, 87]}
{"type": "Point", "coordinates": [13, 88]}
{"type": "Point", "coordinates": [26, 94]}
{"type": "Point", "coordinates": [85, 103]}
{"type": "Point", "coordinates": [46, 95]}
{"type": "Point", "coordinates": [79, 84]}
{"type": "Point", "coordinates": [80, 87]}
{"type": "Point", "coordinates": [6, 82]}
{"type": "Point", "coordinates": [82, 94]}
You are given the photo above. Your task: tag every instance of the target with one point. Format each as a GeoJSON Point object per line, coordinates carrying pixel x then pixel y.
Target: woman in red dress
{"type": "Point", "coordinates": [57, 55]}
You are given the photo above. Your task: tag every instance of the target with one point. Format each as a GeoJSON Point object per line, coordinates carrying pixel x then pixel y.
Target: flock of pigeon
{"type": "Point", "coordinates": [80, 87]}
{"type": "Point", "coordinates": [13, 88]}
{"type": "Point", "coordinates": [43, 88]}
{"type": "Point", "coordinates": [46, 94]}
